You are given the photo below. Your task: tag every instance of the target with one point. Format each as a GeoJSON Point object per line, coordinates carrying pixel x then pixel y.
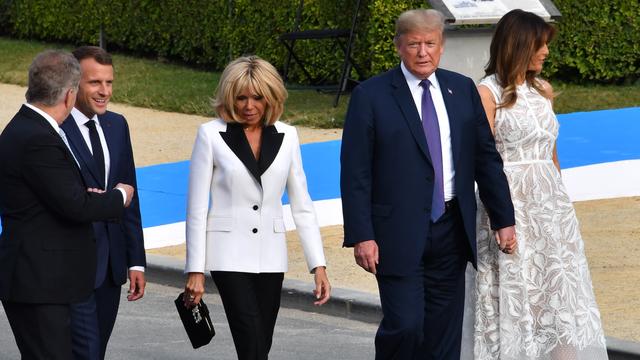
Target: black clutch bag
{"type": "Point", "coordinates": [196, 322]}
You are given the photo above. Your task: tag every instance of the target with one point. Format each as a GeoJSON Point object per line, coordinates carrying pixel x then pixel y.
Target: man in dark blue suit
{"type": "Point", "coordinates": [100, 141]}
{"type": "Point", "coordinates": [415, 140]}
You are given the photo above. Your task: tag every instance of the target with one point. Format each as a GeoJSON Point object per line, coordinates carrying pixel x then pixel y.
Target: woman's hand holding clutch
{"type": "Point", "coordinates": [193, 289]}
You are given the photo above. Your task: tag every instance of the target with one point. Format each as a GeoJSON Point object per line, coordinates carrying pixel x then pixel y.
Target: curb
{"type": "Point", "coordinates": [622, 349]}
{"type": "Point", "coordinates": [350, 304]}
{"type": "Point", "coordinates": [296, 294]}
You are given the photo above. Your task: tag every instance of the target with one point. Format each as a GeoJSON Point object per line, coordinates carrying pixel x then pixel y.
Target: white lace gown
{"type": "Point", "coordinates": [537, 303]}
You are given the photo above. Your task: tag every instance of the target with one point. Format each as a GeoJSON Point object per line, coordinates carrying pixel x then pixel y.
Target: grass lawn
{"type": "Point", "coordinates": [170, 87]}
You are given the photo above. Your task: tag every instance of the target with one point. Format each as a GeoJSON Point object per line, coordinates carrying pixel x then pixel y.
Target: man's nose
{"type": "Point", "coordinates": [103, 89]}
{"type": "Point", "coordinates": [422, 50]}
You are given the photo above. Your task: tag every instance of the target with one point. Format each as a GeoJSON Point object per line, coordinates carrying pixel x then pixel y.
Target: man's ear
{"type": "Point", "coordinates": [70, 99]}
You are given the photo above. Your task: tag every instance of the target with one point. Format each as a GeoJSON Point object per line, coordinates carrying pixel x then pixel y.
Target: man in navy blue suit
{"type": "Point", "coordinates": [101, 143]}
{"type": "Point", "coordinates": [415, 140]}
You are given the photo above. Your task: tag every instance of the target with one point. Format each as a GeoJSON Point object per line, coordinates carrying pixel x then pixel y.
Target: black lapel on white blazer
{"type": "Point", "coordinates": [271, 142]}
{"type": "Point", "coordinates": [238, 143]}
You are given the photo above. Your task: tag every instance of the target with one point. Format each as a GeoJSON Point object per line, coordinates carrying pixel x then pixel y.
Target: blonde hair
{"type": "Point", "coordinates": [418, 20]}
{"type": "Point", "coordinates": [250, 72]}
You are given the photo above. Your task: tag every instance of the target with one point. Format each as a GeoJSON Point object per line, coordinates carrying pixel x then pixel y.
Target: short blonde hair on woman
{"type": "Point", "coordinates": [250, 72]}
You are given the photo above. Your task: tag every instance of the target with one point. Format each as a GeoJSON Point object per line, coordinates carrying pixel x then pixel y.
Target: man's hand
{"type": "Point", "coordinates": [506, 239]}
{"type": "Point", "coordinates": [366, 254]}
{"type": "Point", "coordinates": [129, 190]}
{"type": "Point", "coordinates": [137, 284]}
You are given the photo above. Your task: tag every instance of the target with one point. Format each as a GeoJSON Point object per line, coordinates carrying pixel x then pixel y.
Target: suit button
{"type": "Point", "coordinates": [254, 230]}
{"type": "Point", "coordinates": [255, 207]}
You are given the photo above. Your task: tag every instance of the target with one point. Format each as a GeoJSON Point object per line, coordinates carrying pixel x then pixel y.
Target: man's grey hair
{"type": "Point", "coordinates": [51, 74]}
{"type": "Point", "coordinates": [418, 20]}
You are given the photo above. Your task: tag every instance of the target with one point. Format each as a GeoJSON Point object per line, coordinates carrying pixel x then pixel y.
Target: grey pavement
{"type": "Point", "coordinates": [151, 329]}
{"type": "Point", "coordinates": [345, 303]}
{"type": "Point", "coordinates": [342, 329]}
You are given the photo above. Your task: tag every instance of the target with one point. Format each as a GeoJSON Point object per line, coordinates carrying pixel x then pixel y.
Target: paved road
{"type": "Point", "coordinates": [151, 329]}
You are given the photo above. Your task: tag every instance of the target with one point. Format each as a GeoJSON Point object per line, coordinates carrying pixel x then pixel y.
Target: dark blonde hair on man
{"type": "Point", "coordinates": [250, 72]}
{"type": "Point", "coordinates": [418, 20]}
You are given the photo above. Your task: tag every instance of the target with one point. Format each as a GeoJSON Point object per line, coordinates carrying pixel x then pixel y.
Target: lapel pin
{"type": "Point", "coordinates": [450, 92]}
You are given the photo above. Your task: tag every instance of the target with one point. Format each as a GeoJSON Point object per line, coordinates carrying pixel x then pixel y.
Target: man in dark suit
{"type": "Point", "coordinates": [47, 247]}
{"type": "Point", "coordinates": [415, 140]}
{"type": "Point", "coordinates": [100, 141]}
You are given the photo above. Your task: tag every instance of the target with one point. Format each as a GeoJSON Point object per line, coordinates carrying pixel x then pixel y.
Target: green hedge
{"type": "Point", "coordinates": [205, 33]}
{"type": "Point", "coordinates": [598, 40]}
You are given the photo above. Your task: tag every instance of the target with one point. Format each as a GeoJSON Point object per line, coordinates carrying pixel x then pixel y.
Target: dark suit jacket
{"type": "Point", "coordinates": [47, 249]}
{"type": "Point", "coordinates": [120, 242]}
{"type": "Point", "coordinates": [387, 176]}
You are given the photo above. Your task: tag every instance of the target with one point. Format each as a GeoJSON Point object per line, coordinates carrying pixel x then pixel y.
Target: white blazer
{"type": "Point", "coordinates": [234, 207]}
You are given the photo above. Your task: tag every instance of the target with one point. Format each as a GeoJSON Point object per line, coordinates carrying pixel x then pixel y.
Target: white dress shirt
{"type": "Point", "coordinates": [46, 116]}
{"type": "Point", "coordinates": [448, 170]}
{"type": "Point", "coordinates": [81, 119]}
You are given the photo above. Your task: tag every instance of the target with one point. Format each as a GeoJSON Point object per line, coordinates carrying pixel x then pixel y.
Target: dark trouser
{"type": "Point", "coordinates": [92, 321]}
{"type": "Point", "coordinates": [42, 331]}
{"type": "Point", "coordinates": [422, 311]}
{"type": "Point", "coordinates": [251, 303]}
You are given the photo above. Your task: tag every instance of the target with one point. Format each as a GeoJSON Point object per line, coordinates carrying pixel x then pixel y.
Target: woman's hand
{"type": "Point", "coordinates": [323, 288]}
{"type": "Point", "coordinates": [193, 289]}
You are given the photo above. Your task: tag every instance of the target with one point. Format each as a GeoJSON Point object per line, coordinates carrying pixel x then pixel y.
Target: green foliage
{"type": "Point", "coordinates": [204, 33]}
{"type": "Point", "coordinates": [380, 30]}
{"type": "Point", "coordinates": [596, 40]}
{"type": "Point", "coordinates": [170, 87]}
{"type": "Point", "coordinates": [4, 16]}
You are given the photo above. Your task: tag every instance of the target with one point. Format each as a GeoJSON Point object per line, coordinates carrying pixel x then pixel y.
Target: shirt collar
{"type": "Point", "coordinates": [414, 82]}
{"type": "Point", "coordinates": [46, 116]}
{"type": "Point", "coordinates": [81, 118]}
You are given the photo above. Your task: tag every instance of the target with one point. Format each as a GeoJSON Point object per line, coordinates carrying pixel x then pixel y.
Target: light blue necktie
{"type": "Point", "coordinates": [66, 142]}
{"type": "Point", "coordinates": [432, 132]}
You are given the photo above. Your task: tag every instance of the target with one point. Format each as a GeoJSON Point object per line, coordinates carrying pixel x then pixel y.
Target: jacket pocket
{"type": "Point", "coordinates": [381, 210]}
{"type": "Point", "coordinates": [278, 225]}
{"type": "Point", "coordinates": [220, 224]}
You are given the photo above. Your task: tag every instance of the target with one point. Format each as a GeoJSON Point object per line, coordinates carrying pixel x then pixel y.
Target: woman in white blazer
{"type": "Point", "coordinates": [241, 164]}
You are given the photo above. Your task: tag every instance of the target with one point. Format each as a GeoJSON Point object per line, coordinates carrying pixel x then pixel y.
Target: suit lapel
{"type": "Point", "coordinates": [40, 121]}
{"type": "Point", "coordinates": [80, 148]}
{"type": "Point", "coordinates": [237, 142]}
{"type": "Point", "coordinates": [403, 97]}
{"type": "Point", "coordinates": [271, 142]}
{"type": "Point", "coordinates": [448, 94]}
{"type": "Point", "coordinates": [112, 145]}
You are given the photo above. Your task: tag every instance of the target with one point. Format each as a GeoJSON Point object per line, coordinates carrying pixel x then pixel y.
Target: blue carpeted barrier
{"type": "Point", "coordinates": [586, 138]}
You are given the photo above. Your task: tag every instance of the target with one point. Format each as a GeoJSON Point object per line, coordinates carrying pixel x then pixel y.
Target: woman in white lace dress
{"type": "Point", "coordinates": [537, 303]}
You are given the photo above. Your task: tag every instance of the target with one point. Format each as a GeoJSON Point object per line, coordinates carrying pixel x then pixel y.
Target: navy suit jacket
{"type": "Point", "coordinates": [387, 176]}
{"type": "Point", "coordinates": [119, 242]}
